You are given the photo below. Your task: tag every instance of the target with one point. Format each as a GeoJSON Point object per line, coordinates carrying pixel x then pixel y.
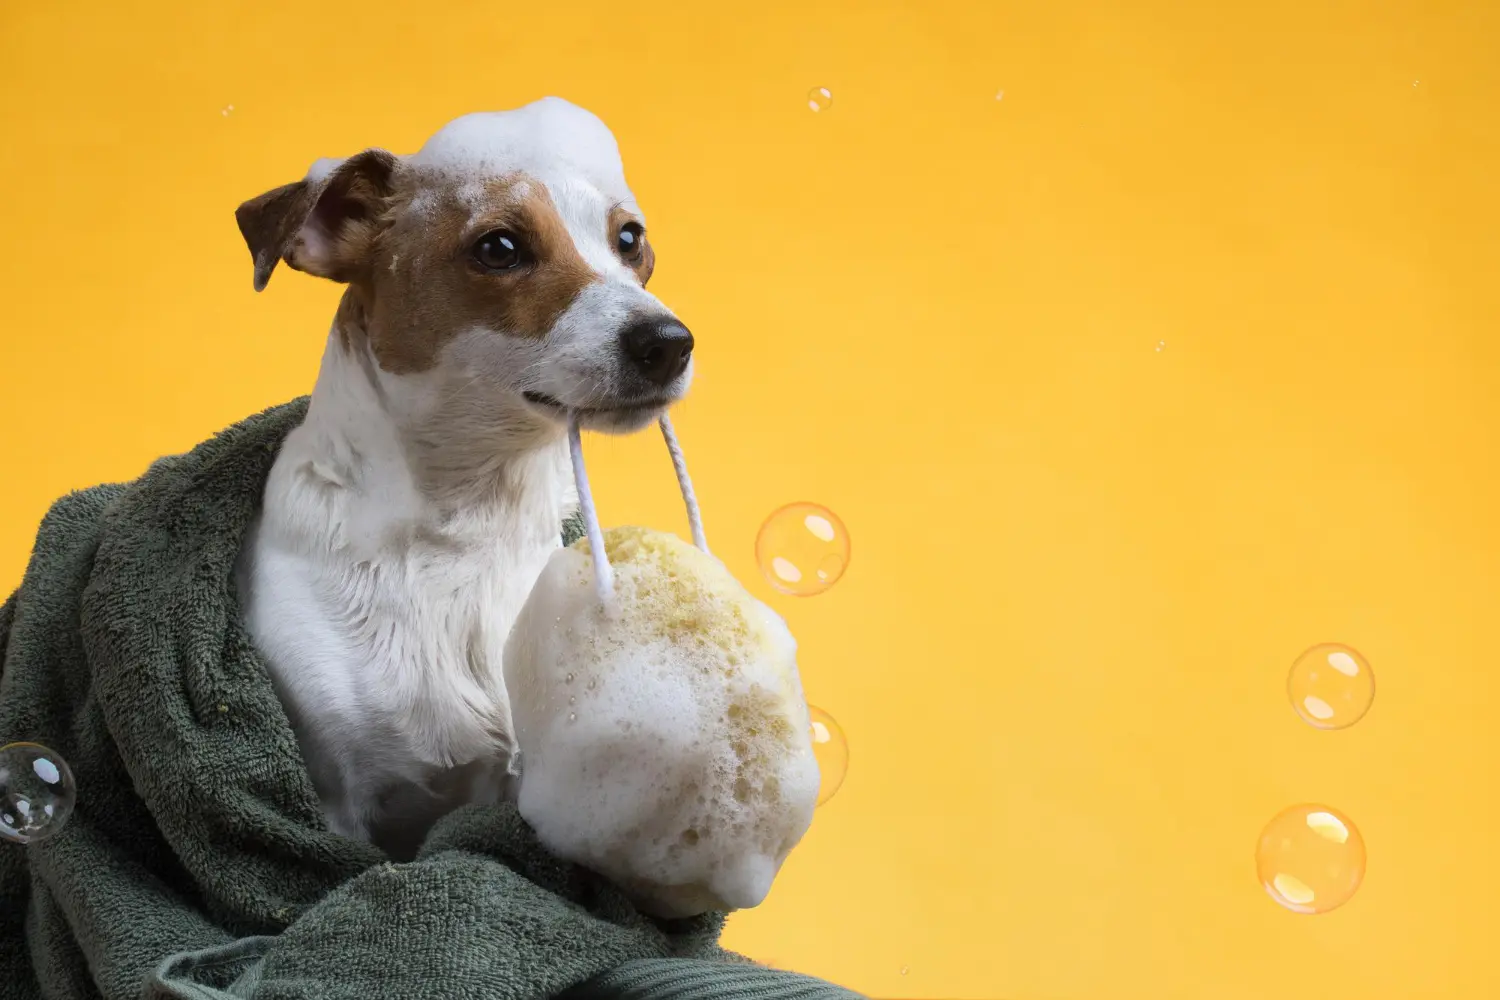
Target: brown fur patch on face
{"type": "Point", "coordinates": [643, 260]}
{"type": "Point", "coordinates": [426, 288]}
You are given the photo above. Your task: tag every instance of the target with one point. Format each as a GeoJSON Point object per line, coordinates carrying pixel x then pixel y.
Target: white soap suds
{"type": "Point", "coordinates": [322, 169]}
{"type": "Point", "coordinates": [548, 139]}
{"type": "Point", "coordinates": [665, 745]}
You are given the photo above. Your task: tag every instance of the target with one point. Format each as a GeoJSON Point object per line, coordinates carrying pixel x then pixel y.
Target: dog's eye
{"type": "Point", "coordinates": [499, 251]}
{"type": "Point", "coordinates": [631, 239]}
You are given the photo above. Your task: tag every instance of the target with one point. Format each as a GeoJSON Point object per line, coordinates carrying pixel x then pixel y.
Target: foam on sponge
{"type": "Point", "coordinates": [665, 737]}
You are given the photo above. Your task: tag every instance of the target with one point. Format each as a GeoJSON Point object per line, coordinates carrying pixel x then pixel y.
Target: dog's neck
{"type": "Point", "coordinates": [431, 456]}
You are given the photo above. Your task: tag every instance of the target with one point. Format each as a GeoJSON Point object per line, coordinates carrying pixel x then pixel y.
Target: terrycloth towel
{"type": "Point", "coordinates": [197, 863]}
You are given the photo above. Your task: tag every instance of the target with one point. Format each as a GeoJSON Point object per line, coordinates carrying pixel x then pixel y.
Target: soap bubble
{"type": "Point", "coordinates": [831, 749]}
{"type": "Point", "coordinates": [1331, 686]}
{"type": "Point", "coordinates": [36, 792]}
{"type": "Point", "coordinates": [1310, 859]}
{"type": "Point", "coordinates": [802, 549]}
{"type": "Point", "coordinates": [820, 99]}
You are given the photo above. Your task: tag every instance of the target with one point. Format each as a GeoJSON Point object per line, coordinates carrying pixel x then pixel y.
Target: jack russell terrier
{"type": "Point", "coordinates": [496, 283]}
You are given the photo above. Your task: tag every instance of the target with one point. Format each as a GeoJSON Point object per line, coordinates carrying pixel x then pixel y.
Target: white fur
{"type": "Point", "coordinates": [407, 519]}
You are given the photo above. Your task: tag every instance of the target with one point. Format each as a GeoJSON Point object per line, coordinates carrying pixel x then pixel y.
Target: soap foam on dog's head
{"type": "Point", "coordinates": [672, 754]}
{"type": "Point", "coordinates": [548, 139]}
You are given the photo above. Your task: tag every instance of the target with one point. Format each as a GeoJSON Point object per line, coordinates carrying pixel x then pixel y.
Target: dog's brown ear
{"type": "Point", "coordinates": [322, 224]}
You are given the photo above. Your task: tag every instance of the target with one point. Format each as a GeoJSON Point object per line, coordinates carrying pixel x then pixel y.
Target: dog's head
{"type": "Point", "coordinates": [507, 256]}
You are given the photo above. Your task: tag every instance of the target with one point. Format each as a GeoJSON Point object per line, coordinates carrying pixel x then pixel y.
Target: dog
{"type": "Point", "coordinates": [495, 283]}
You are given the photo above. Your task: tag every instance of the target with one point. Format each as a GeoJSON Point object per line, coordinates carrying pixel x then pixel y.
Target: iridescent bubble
{"type": "Point", "coordinates": [802, 549]}
{"type": "Point", "coordinates": [831, 748]}
{"type": "Point", "coordinates": [1310, 858]}
{"type": "Point", "coordinates": [1331, 686]}
{"type": "Point", "coordinates": [820, 99]}
{"type": "Point", "coordinates": [37, 793]}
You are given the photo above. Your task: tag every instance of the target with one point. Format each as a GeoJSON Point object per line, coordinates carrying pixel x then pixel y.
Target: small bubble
{"type": "Point", "coordinates": [820, 99]}
{"type": "Point", "coordinates": [1331, 686]}
{"type": "Point", "coordinates": [905, 969]}
{"type": "Point", "coordinates": [1310, 859]}
{"type": "Point", "coordinates": [802, 549]}
{"type": "Point", "coordinates": [226, 110]}
{"type": "Point", "coordinates": [831, 748]}
{"type": "Point", "coordinates": [37, 793]}
{"type": "Point", "coordinates": [572, 716]}
{"type": "Point", "coordinates": [568, 679]}
{"type": "Point", "coordinates": [1161, 345]}
{"type": "Point", "coordinates": [1000, 96]}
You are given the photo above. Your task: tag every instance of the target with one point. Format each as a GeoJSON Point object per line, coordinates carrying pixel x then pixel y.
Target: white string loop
{"type": "Point", "coordinates": [679, 465]}
{"type": "Point", "coordinates": [604, 577]}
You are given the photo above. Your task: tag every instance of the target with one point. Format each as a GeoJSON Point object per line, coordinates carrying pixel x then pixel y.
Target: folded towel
{"type": "Point", "coordinates": [197, 863]}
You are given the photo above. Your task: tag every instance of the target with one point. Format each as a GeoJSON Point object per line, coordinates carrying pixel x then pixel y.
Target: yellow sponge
{"type": "Point", "coordinates": [664, 738]}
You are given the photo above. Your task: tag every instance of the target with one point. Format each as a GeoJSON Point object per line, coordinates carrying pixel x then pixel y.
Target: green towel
{"type": "Point", "coordinates": [197, 863]}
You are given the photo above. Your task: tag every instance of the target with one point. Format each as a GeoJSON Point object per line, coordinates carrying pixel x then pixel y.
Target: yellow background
{"type": "Point", "coordinates": [1082, 565]}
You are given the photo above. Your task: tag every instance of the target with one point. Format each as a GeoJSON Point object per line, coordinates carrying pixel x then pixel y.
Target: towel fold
{"type": "Point", "coordinates": [197, 863]}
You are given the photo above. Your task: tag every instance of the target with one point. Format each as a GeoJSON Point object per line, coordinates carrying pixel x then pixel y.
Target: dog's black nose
{"type": "Point", "coordinates": [659, 348]}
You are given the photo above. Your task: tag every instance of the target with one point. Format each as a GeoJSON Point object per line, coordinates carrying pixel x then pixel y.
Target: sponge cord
{"type": "Point", "coordinates": [604, 577]}
{"type": "Point", "coordinates": [679, 465]}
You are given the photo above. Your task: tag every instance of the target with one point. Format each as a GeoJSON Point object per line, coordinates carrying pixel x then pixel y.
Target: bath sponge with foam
{"type": "Point", "coordinates": [663, 731]}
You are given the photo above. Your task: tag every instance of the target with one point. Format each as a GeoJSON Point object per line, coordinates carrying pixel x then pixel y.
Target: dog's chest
{"type": "Point", "coordinates": [433, 656]}
{"type": "Point", "coordinates": [392, 672]}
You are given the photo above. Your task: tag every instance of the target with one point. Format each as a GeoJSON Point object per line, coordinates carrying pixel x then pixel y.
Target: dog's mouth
{"type": "Point", "coordinates": [616, 415]}
{"type": "Point", "coordinates": [543, 400]}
